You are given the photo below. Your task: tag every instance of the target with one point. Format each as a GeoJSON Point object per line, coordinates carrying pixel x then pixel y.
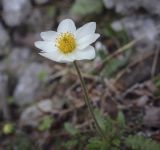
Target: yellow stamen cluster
{"type": "Point", "coordinates": [66, 42]}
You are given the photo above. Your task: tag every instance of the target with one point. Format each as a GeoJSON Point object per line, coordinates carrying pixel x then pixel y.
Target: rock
{"type": "Point", "coordinates": [41, 15]}
{"type": "Point", "coordinates": [35, 18]}
{"type": "Point", "coordinates": [128, 7]}
{"type": "Point", "coordinates": [142, 101]}
{"type": "Point", "coordinates": [4, 39]}
{"type": "Point", "coordinates": [15, 12]}
{"type": "Point", "coordinates": [17, 60]}
{"type": "Point", "coordinates": [151, 6]}
{"type": "Point", "coordinates": [117, 26]}
{"type": "Point", "coordinates": [41, 1]}
{"type": "Point", "coordinates": [4, 95]}
{"type": "Point", "coordinates": [3, 87]}
{"type": "Point", "coordinates": [29, 84]}
{"type": "Point", "coordinates": [34, 114]}
{"type": "Point", "coordinates": [138, 26]}
{"type": "Point", "coordinates": [2, 67]}
{"type": "Point", "coordinates": [108, 3]}
{"type": "Point", "coordinates": [152, 117]}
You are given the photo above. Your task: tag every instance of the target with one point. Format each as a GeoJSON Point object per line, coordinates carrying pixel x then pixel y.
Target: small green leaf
{"type": "Point", "coordinates": [86, 7]}
{"type": "Point", "coordinates": [121, 119]}
{"type": "Point", "coordinates": [141, 143]}
{"type": "Point", "coordinates": [46, 123]}
{"type": "Point", "coordinates": [22, 142]}
{"type": "Point", "coordinates": [100, 119]}
{"type": "Point", "coordinates": [10, 99]}
{"type": "Point", "coordinates": [113, 65]}
{"type": "Point", "coordinates": [97, 143]}
{"type": "Point", "coordinates": [70, 128]}
{"type": "Point", "coordinates": [8, 128]}
{"type": "Point", "coordinates": [51, 11]}
{"type": "Point", "coordinates": [157, 81]}
{"type": "Point", "coordinates": [117, 142]}
{"type": "Point", "coordinates": [42, 75]}
{"type": "Point", "coordinates": [70, 144]}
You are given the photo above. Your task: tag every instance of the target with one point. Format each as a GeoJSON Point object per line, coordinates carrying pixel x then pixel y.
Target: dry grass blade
{"type": "Point", "coordinates": [121, 50]}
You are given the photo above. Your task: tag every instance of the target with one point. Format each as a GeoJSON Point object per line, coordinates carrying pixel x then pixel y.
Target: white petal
{"type": "Point", "coordinates": [55, 56]}
{"type": "Point", "coordinates": [66, 25]}
{"type": "Point", "coordinates": [86, 29]}
{"type": "Point", "coordinates": [45, 46]}
{"type": "Point", "coordinates": [87, 40]}
{"type": "Point", "coordinates": [59, 57]}
{"type": "Point", "coordinates": [96, 36]}
{"type": "Point", "coordinates": [49, 35]}
{"type": "Point", "coordinates": [87, 53]}
{"type": "Point", "coordinates": [68, 58]}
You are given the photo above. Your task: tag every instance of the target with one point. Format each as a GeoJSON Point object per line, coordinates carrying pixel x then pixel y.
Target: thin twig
{"type": "Point", "coordinates": [121, 50]}
{"type": "Point", "coordinates": [117, 52]}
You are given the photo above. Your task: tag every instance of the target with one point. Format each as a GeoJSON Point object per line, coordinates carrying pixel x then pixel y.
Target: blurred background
{"type": "Point", "coordinates": [41, 102]}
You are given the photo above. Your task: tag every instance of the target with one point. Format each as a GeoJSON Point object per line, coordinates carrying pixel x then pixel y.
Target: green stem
{"type": "Point", "coordinates": [87, 101]}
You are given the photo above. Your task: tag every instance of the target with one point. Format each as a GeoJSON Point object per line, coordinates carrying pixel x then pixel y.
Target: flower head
{"type": "Point", "coordinates": [68, 44]}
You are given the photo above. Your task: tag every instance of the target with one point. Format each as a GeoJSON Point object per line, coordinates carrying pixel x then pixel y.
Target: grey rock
{"type": "Point", "coordinates": [41, 1]}
{"type": "Point", "coordinates": [44, 17]}
{"type": "Point", "coordinates": [3, 87]}
{"type": "Point", "coordinates": [34, 19]}
{"type": "Point", "coordinates": [17, 60]}
{"type": "Point", "coordinates": [15, 11]}
{"type": "Point", "coordinates": [152, 117]}
{"type": "Point", "coordinates": [138, 27]}
{"type": "Point", "coordinates": [4, 95]}
{"type": "Point", "coordinates": [29, 84]}
{"type": "Point", "coordinates": [108, 3]}
{"type": "Point", "coordinates": [4, 39]}
{"type": "Point", "coordinates": [2, 67]}
{"type": "Point", "coordinates": [117, 26]}
{"type": "Point", "coordinates": [128, 7]}
{"type": "Point", "coordinates": [151, 6]}
{"type": "Point", "coordinates": [34, 114]}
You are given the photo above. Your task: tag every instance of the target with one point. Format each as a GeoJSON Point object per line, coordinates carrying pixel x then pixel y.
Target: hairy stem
{"type": "Point", "coordinates": [87, 101]}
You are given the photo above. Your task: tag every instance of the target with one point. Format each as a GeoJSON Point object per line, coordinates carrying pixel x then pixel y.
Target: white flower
{"type": "Point", "coordinates": [68, 44]}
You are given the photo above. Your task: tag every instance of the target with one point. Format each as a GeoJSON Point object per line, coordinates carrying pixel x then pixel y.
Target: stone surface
{"type": "Point", "coordinates": [35, 18]}
{"type": "Point", "coordinates": [4, 95]}
{"type": "Point", "coordinates": [3, 87]}
{"type": "Point", "coordinates": [15, 11]}
{"type": "Point", "coordinates": [17, 60]}
{"type": "Point", "coordinates": [2, 67]}
{"type": "Point", "coordinates": [138, 26]}
{"type": "Point", "coordinates": [29, 84]}
{"type": "Point", "coordinates": [41, 1]}
{"type": "Point", "coordinates": [127, 7]}
{"type": "Point", "coordinates": [152, 117]}
{"type": "Point", "coordinates": [34, 114]}
{"type": "Point", "coordinates": [41, 15]}
{"type": "Point", "coordinates": [4, 39]}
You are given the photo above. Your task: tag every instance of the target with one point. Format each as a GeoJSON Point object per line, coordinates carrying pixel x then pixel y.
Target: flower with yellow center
{"type": "Point", "coordinates": [68, 44]}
